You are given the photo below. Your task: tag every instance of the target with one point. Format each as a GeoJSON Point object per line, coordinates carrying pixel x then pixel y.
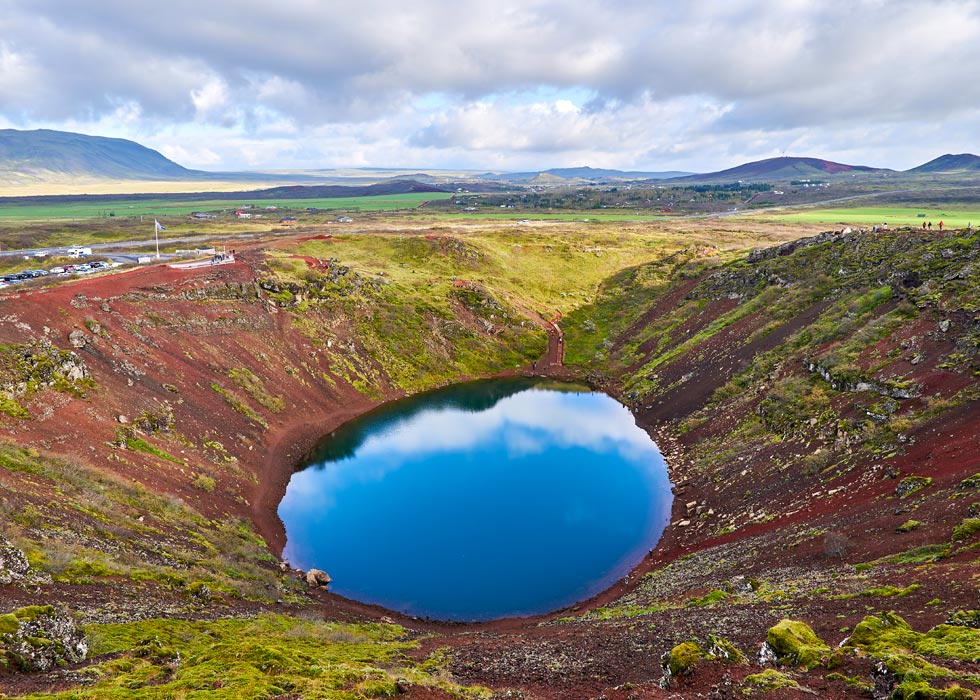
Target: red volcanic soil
{"type": "Point", "coordinates": [153, 342]}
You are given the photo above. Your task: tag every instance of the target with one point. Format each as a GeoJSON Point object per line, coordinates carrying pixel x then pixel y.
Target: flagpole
{"type": "Point", "coordinates": [156, 232]}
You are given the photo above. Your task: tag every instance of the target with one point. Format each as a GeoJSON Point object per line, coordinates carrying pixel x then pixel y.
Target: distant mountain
{"type": "Point", "coordinates": [389, 187]}
{"type": "Point", "coordinates": [781, 169]}
{"type": "Point", "coordinates": [949, 163]}
{"type": "Point", "coordinates": [51, 155]}
{"type": "Point", "coordinates": [584, 174]}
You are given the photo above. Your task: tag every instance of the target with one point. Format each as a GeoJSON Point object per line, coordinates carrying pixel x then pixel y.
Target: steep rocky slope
{"type": "Point", "coordinates": [816, 401]}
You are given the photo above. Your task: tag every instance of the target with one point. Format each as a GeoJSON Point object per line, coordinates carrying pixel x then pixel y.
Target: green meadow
{"type": "Point", "coordinates": [74, 210]}
{"type": "Point", "coordinates": [953, 217]}
{"type": "Point", "coordinates": [588, 215]}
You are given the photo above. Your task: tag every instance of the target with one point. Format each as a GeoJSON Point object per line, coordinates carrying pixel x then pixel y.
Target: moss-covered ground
{"type": "Point", "coordinates": [269, 656]}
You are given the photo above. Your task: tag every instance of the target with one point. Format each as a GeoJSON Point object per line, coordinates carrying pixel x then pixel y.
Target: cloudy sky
{"type": "Point", "coordinates": [630, 84]}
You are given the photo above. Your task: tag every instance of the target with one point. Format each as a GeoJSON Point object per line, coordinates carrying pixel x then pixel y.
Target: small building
{"type": "Point", "coordinates": [287, 220]}
{"type": "Point", "coordinates": [344, 220]}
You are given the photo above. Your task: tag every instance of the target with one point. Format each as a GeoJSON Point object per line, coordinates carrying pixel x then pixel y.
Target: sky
{"type": "Point", "coordinates": [472, 84]}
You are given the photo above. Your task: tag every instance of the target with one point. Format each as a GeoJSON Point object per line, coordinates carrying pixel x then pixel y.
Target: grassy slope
{"type": "Point", "coordinates": [726, 363]}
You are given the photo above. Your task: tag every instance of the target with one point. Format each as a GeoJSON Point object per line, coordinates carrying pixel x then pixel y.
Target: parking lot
{"type": "Point", "coordinates": [12, 278]}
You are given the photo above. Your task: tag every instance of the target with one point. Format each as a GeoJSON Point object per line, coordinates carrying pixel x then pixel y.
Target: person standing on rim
{"type": "Point", "coordinates": [940, 225]}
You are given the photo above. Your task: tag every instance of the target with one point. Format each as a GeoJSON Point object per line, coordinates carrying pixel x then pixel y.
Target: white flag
{"type": "Point", "coordinates": [158, 226]}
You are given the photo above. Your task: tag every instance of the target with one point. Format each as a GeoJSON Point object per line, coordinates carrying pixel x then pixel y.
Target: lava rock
{"type": "Point", "coordinates": [40, 637]}
{"type": "Point", "coordinates": [14, 567]}
{"type": "Point", "coordinates": [315, 578]}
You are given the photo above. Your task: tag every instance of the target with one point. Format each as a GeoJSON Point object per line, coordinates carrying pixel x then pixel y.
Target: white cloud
{"type": "Point", "coordinates": [467, 82]}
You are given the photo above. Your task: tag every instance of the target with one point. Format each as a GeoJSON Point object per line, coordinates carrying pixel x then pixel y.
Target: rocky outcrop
{"type": "Point", "coordinates": [38, 638]}
{"type": "Point", "coordinates": [849, 384]}
{"type": "Point", "coordinates": [792, 246]}
{"type": "Point", "coordinates": [15, 569]}
{"type": "Point", "coordinates": [40, 363]}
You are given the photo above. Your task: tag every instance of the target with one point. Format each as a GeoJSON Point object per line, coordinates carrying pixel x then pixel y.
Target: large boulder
{"type": "Point", "coordinates": [317, 579]}
{"type": "Point", "coordinates": [38, 638]}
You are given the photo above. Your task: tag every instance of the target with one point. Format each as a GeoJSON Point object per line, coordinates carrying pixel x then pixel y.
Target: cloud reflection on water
{"type": "Point", "coordinates": [526, 423]}
{"type": "Point", "coordinates": [526, 419]}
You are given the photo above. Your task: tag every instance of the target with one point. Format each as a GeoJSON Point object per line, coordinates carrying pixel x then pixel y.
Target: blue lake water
{"type": "Point", "coordinates": [484, 500]}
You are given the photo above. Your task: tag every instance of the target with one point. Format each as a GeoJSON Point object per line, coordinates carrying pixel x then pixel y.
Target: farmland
{"type": "Point", "coordinates": [953, 216]}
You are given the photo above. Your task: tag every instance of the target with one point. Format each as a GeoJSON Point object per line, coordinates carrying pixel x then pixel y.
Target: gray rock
{"type": "Point", "coordinates": [739, 585]}
{"type": "Point", "coordinates": [78, 338]}
{"type": "Point", "coordinates": [13, 564]}
{"type": "Point", "coordinates": [767, 655]}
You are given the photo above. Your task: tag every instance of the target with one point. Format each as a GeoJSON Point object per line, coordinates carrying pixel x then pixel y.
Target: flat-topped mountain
{"type": "Point", "coordinates": [46, 154]}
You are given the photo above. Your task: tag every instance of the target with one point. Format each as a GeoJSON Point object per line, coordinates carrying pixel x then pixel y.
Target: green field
{"type": "Point", "coordinates": [35, 211]}
{"type": "Point", "coordinates": [585, 215]}
{"type": "Point", "coordinates": [953, 217]}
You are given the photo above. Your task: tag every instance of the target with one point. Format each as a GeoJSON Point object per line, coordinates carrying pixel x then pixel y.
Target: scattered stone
{"type": "Point", "coordinates": [123, 420]}
{"type": "Point", "coordinates": [77, 338]}
{"type": "Point", "coordinates": [740, 585]}
{"type": "Point", "coordinates": [684, 523]}
{"type": "Point", "coordinates": [964, 618]}
{"type": "Point", "coordinates": [884, 681]}
{"type": "Point", "coordinates": [315, 578]}
{"type": "Point", "coordinates": [202, 593]}
{"type": "Point", "coordinates": [767, 656]}
{"type": "Point", "coordinates": [945, 325]}
{"type": "Point", "coordinates": [971, 482]}
{"type": "Point", "coordinates": [911, 484]}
